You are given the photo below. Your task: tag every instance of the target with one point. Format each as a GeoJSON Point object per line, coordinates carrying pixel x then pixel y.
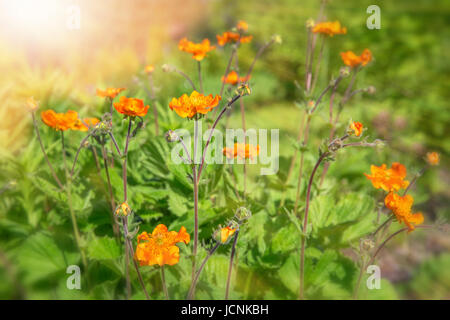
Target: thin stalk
{"type": "Point", "coordinates": [78, 153]}
{"type": "Point", "coordinates": [227, 70]}
{"type": "Point", "coordinates": [319, 60]}
{"type": "Point", "coordinates": [141, 281]}
{"type": "Point", "coordinates": [258, 54]}
{"type": "Point", "coordinates": [127, 258]}
{"type": "Point", "coordinates": [184, 75]}
{"type": "Point", "coordinates": [124, 169]}
{"type": "Point", "coordinates": [377, 251]}
{"type": "Point", "coordinates": [45, 153]}
{"type": "Point", "coordinates": [244, 129]}
{"type": "Point", "coordinates": [413, 181]}
{"type": "Point", "coordinates": [300, 170]}
{"type": "Point", "coordinates": [197, 274]}
{"type": "Point", "coordinates": [230, 267]}
{"type": "Point", "coordinates": [305, 224]}
{"type": "Point", "coordinates": [110, 192]}
{"type": "Point", "coordinates": [152, 98]}
{"type": "Point", "coordinates": [115, 143]}
{"type": "Point", "coordinates": [195, 182]}
{"type": "Point", "coordinates": [73, 218]}
{"type": "Point", "coordinates": [200, 81]}
{"type": "Point", "coordinates": [163, 281]}
{"type": "Point", "coordinates": [95, 155]}
{"type": "Point", "coordinates": [228, 105]}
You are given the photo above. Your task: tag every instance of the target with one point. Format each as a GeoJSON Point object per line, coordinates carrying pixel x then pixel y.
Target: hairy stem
{"type": "Point", "coordinates": [230, 267]}
{"type": "Point", "coordinates": [163, 281]}
{"type": "Point", "coordinates": [197, 274]}
{"type": "Point", "coordinates": [38, 135]}
{"type": "Point", "coordinates": [305, 225]}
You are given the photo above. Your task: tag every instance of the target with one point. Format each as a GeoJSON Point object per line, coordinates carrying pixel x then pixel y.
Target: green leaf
{"type": "Point", "coordinates": [103, 248]}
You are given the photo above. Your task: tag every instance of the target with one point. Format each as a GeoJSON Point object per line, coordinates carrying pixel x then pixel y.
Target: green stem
{"type": "Point", "coordinates": [73, 218]}
{"type": "Point", "coordinates": [230, 267]}
{"type": "Point", "coordinates": [163, 281]}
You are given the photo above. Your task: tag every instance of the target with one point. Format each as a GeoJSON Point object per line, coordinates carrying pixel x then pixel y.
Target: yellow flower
{"type": "Point", "coordinates": [32, 104]}
{"type": "Point", "coordinates": [433, 158]}
{"type": "Point", "coordinates": [149, 68]}
{"type": "Point", "coordinates": [242, 25]}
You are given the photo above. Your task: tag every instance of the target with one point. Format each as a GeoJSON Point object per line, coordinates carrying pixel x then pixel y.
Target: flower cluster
{"type": "Point", "coordinates": [66, 121]}
{"type": "Point", "coordinates": [352, 60]}
{"type": "Point", "coordinates": [198, 50]}
{"type": "Point", "coordinates": [159, 247]}
{"type": "Point", "coordinates": [235, 37]}
{"type": "Point", "coordinates": [196, 103]}
{"type": "Point", "coordinates": [329, 28]}
{"type": "Point", "coordinates": [242, 151]}
{"type": "Point", "coordinates": [392, 180]}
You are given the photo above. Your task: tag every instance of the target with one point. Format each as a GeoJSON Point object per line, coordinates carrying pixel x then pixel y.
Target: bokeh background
{"type": "Point", "coordinates": [41, 57]}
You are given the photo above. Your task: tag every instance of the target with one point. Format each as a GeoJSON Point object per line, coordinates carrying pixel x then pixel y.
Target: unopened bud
{"type": "Point", "coordinates": [344, 72]}
{"type": "Point", "coordinates": [32, 104]}
{"type": "Point", "coordinates": [123, 210]}
{"type": "Point", "coordinates": [244, 90]}
{"type": "Point", "coordinates": [310, 23]}
{"type": "Point", "coordinates": [371, 90]}
{"type": "Point", "coordinates": [367, 244]}
{"type": "Point", "coordinates": [242, 213]}
{"type": "Point", "coordinates": [171, 136]}
{"type": "Point", "coordinates": [277, 39]}
{"type": "Point", "coordinates": [168, 68]}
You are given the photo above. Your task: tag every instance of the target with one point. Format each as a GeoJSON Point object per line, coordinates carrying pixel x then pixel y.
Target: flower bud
{"type": "Point", "coordinates": [223, 235]}
{"type": "Point", "coordinates": [344, 72]}
{"type": "Point", "coordinates": [367, 244]}
{"type": "Point", "coordinates": [171, 136]}
{"type": "Point", "coordinates": [277, 39]}
{"type": "Point", "coordinates": [242, 214]}
{"type": "Point", "coordinates": [123, 210]}
{"type": "Point", "coordinates": [168, 68]}
{"type": "Point", "coordinates": [371, 90]}
{"type": "Point", "coordinates": [310, 23]}
{"type": "Point", "coordinates": [243, 90]}
{"type": "Point", "coordinates": [32, 104]}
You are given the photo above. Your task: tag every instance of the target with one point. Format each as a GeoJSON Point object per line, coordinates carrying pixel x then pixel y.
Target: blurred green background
{"type": "Point", "coordinates": [410, 111]}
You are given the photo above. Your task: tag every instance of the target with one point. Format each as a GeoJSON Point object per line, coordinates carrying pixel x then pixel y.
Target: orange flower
{"type": "Point", "coordinates": [388, 179]}
{"type": "Point", "coordinates": [131, 107]}
{"type": "Point", "coordinates": [85, 124]}
{"type": "Point", "coordinates": [159, 247]}
{"type": "Point", "coordinates": [189, 106]}
{"type": "Point", "coordinates": [233, 78]}
{"type": "Point", "coordinates": [225, 233]}
{"type": "Point", "coordinates": [109, 92]}
{"type": "Point", "coordinates": [243, 151]}
{"type": "Point", "coordinates": [329, 28]}
{"type": "Point", "coordinates": [352, 60]}
{"type": "Point", "coordinates": [60, 121]}
{"type": "Point", "coordinates": [149, 68]}
{"type": "Point", "coordinates": [198, 50]}
{"type": "Point", "coordinates": [401, 208]}
{"type": "Point", "coordinates": [433, 158]}
{"type": "Point", "coordinates": [229, 36]}
{"type": "Point", "coordinates": [357, 128]}
{"type": "Point", "coordinates": [242, 25]}
{"type": "Point", "coordinates": [32, 104]}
